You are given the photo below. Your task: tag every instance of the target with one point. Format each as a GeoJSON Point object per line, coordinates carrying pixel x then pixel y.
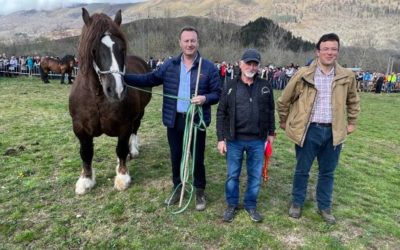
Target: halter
{"type": "Point", "coordinates": [105, 72]}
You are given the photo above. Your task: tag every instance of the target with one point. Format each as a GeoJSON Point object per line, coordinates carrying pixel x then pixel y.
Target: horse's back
{"type": "Point", "coordinates": [135, 64]}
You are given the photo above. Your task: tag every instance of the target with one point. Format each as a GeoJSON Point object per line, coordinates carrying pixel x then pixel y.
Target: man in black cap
{"type": "Point", "coordinates": [245, 120]}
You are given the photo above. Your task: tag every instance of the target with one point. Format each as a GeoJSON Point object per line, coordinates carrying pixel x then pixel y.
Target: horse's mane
{"type": "Point", "coordinates": [91, 35]}
{"type": "Point", "coordinates": [67, 58]}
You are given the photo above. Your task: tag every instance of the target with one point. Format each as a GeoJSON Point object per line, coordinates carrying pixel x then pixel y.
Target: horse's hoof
{"type": "Point", "coordinates": [84, 184]}
{"type": "Point", "coordinates": [122, 181]}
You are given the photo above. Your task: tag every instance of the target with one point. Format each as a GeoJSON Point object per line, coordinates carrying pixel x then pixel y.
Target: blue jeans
{"type": "Point", "coordinates": [318, 143]}
{"type": "Point", "coordinates": [389, 87]}
{"type": "Point", "coordinates": [254, 150]}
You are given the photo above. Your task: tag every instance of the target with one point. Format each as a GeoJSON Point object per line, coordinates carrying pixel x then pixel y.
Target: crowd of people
{"type": "Point", "coordinates": [19, 65]}
{"type": "Point", "coordinates": [368, 81]}
{"type": "Point", "coordinates": [277, 76]}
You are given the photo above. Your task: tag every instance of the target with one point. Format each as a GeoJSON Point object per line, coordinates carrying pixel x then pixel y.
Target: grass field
{"type": "Point", "coordinates": [40, 163]}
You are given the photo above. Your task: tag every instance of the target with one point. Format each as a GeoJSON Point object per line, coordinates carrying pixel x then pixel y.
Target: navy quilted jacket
{"type": "Point", "coordinates": [168, 75]}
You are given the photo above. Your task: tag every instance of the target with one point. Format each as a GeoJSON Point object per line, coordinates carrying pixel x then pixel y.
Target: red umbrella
{"type": "Point", "coordinates": [267, 157]}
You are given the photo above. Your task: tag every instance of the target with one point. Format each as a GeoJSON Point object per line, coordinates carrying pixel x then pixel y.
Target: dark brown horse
{"type": "Point", "coordinates": [63, 66]}
{"type": "Point", "coordinates": [100, 102]}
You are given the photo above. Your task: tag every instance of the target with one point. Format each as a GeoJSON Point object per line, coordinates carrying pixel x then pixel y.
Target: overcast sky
{"type": "Point", "coordinates": [9, 6]}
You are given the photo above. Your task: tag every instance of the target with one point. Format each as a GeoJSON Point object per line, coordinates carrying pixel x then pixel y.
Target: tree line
{"type": "Point", "coordinates": [219, 41]}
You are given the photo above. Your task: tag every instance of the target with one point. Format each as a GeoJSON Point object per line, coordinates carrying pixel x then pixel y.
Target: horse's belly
{"type": "Point", "coordinates": [115, 126]}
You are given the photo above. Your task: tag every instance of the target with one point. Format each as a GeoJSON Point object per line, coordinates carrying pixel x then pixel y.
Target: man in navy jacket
{"type": "Point", "coordinates": [178, 76]}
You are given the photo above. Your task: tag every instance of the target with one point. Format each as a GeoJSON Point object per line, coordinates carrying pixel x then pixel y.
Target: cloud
{"type": "Point", "coordinates": [10, 6]}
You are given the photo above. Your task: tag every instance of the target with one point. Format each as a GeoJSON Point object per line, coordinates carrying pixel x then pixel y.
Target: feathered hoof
{"type": "Point", "coordinates": [84, 184]}
{"type": "Point", "coordinates": [122, 181]}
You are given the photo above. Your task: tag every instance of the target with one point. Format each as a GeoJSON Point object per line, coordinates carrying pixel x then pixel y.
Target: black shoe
{"type": "Point", "coordinates": [254, 215]}
{"type": "Point", "coordinates": [295, 211]}
{"type": "Point", "coordinates": [175, 197]}
{"type": "Point", "coordinates": [200, 199]}
{"type": "Point", "coordinates": [327, 216]}
{"type": "Point", "coordinates": [229, 214]}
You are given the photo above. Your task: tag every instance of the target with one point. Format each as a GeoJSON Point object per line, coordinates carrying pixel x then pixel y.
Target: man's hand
{"type": "Point", "coordinates": [350, 128]}
{"type": "Point", "coordinates": [271, 139]}
{"type": "Point", "coordinates": [282, 125]}
{"type": "Point", "coordinates": [221, 146]}
{"type": "Point", "coordinates": [198, 100]}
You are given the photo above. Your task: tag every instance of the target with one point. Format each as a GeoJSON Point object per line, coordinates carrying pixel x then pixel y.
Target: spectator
{"type": "Point", "coordinates": [379, 84]}
{"type": "Point", "coordinates": [29, 64]}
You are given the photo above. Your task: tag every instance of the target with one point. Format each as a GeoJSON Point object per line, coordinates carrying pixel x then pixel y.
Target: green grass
{"type": "Point", "coordinates": [39, 209]}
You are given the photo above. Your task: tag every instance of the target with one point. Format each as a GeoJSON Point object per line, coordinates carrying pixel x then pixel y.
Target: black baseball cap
{"type": "Point", "coordinates": [251, 55]}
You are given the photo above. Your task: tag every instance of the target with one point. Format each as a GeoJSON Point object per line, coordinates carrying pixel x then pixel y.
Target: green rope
{"type": "Point", "coordinates": [186, 179]}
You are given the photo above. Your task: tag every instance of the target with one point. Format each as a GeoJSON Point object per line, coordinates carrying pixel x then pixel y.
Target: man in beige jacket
{"type": "Point", "coordinates": [317, 109]}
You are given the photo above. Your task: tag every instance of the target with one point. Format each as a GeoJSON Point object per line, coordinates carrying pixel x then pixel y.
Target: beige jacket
{"type": "Point", "coordinates": [297, 100]}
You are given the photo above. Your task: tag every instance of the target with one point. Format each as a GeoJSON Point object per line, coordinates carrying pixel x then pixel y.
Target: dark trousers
{"type": "Point", "coordinates": [175, 139]}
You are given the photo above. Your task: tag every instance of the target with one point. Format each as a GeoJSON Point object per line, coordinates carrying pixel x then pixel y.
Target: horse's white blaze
{"type": "Point", "coordinates": [83, 185]}
{"type": "Point", "coordinates": [122, 181]}
{"type": "Point", "coordinates": [119, 87]}
{"type": "Point", "coordinates": [134, 144]}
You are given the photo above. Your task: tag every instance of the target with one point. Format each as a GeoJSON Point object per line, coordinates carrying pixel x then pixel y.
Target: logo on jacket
{"type": "Point", "coordinates": [229, 91]}
{"type": "Point", "coordinates": [265, 90]}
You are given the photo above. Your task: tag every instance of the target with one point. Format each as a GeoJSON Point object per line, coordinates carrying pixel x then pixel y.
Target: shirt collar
{"type": "Point", "coordinates": [331, 73]}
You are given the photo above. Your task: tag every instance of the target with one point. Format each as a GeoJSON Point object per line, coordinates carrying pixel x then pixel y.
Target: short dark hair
{"type": "Point", "coordinates": [188, 28]}
{"type": "Point", "coordinates": [328, 37]}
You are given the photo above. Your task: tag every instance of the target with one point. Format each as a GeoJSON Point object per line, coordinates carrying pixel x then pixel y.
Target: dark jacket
{"type": "Point", "coordinates": [168, 75]}
{"type": "Point", "coordinates": [227, 107]}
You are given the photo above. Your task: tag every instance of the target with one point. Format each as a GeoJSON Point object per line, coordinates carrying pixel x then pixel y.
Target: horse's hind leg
{"type": "Point", "coordinates": [87, 179]}
{"type": "Point", "coordinates": [122, 179]}
{"type": "Point", "coordinates": [134, 139]}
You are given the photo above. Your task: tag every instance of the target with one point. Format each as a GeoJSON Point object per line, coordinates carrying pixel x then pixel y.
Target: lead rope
{"type": "Point", "coordinates": [185, 169]}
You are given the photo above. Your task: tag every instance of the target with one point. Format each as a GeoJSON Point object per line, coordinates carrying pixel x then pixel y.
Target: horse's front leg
{"type": "Point", "coordinates": [62, 78]}
{"type": "Point", "coordinates": [122, 179]}
{"type": "Point", "coordinates": [87, 179]}
{"type": "Point", "coordinates": [70, 78]}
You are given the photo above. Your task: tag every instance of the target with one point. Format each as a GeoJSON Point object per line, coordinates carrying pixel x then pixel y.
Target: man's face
{"type": "Point", "coordinates": [249, 69]}
{"type": "Point", "coordinates": [189, 43]}
{"type": "Point", "coordinates": [328, 52]}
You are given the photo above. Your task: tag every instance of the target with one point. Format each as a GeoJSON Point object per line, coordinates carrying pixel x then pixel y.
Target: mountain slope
{"type": "Point", "coordinates": [364, 23]}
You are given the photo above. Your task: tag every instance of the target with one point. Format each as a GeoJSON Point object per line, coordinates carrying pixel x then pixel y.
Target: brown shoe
{"type": "Point", "coordinates": [295, 211]}
{"type": "Point", "coordinates": [327, 216]}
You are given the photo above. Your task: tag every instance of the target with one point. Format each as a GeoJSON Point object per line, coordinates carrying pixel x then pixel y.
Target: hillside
{"type": "Point", "coordinates": [362, 23]}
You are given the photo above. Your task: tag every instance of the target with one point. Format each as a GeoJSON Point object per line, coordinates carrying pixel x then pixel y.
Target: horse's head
{"type": "Point", "coordinates": [107, 54]}
{"type": "Point", "coordinates": [69, 60]}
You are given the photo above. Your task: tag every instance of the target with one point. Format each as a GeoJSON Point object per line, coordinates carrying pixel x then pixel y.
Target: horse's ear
{"type": "Point", "coordinates": [85, 16]}
{"type": "Point", "coordinates": [118, 18]}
